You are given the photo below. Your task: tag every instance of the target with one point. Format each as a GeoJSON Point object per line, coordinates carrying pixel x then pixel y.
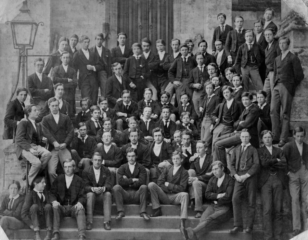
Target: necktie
{"type": "Point", "coordinates": [222, 28]}
{"type": "Point", "coordinates": [82, 139]}
{"type": "Point", "coordinates": [127, 107]}
{"type": "Point", "coordinates": [83, 113]}
{"type": "Point", "coordinates": [184, 108]}
{"type": "Point", "coordinates": [147, 103]}
{"type": "Point", "coordinates": [10, 205]}
{"type": "Point", "coordinates": [147, 124]}
{"type": "Point", "coordinates": [98, 125]}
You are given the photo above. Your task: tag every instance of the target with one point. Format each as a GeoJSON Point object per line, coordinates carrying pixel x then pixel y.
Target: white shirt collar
{"type": "Point", "coordinates": [56, 115]}
{"type": "Point", "coordinates": [237, 88]}
{"type": "Point", "coordinates": [270, 149]}
{"type": "Point", "coordinates": [119, 78]}
{"type": "Point", "coordinates": [17, 196]}
{"type": "Point", "coordinates": [252, 43]}
{"type": "Point", "coordinates": [249, 106]}
{"type": "Point", "coordinates": [128, 104]}
{"type": "Point", "coordinates": [146, 55]}
{"type": "Point", "coordinates": [107, 148]}
{"type": "Point", "coordinates": [85, 51]}
{"type": "Point", "coordinates": [175, 55]}
{"type": "Point", "coordinates": [137, 56]}
{"type": "Point", "coordinates": [85, 138]}
{"type": "Point", "coordinates": [65, 67]}
{"type": "Point", "coordinates": [283, 55]}
{"type": "Point", "coordinates": [176, 169]}
{"type": "Point", "coordinates": [158, 144]}
{"type": "Point", "coordinates": [261, 107]}
{"type": "Point", "coordinates": [246, 146]}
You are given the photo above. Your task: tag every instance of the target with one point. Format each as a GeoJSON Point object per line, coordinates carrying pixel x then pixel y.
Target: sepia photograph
{"type": "Point", "coordinates": [153, 119]}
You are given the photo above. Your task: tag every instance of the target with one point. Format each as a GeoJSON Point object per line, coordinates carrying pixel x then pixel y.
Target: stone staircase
{"type": "Point", "coordinates": [133, 227]}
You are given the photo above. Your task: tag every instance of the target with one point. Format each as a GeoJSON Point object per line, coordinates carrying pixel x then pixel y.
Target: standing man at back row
{"type": "Point", "coordinates": [121, 52]}
{"type": "Point", "coordinates": [235, 39]}
{"type": "Point", "coordinates": [288, 73]}
{"type": "Point", "coordinates": [221, 32]}
{"type": "Point", "coordinates": [268, 17]}
{"type": "Point", "coordinates": [88, 65]}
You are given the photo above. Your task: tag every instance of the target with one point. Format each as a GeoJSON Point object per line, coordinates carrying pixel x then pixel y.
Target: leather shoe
{"type": "Point", "coordinates": [198, 215]}
{"type": "Point", "coordinates": [89, 226]}
{"type": "Point", "coordinates": [145, 216]}
{"type": "Point", "coordinates": [56, 236]}
{"type": "Point", "coordinates": [48, 235]}
{"type": "Point", "coordinates": [37, 236]}
{"type": "Point", "coordinates": [296, 232]}
{"type": "Point", "coordinates": [247, 230]}
{"type": "Point", "coordinates": [190, 233]}
{"type": "Point", "coordinates": [156, 213]}
{"type": "Point", "coordinates": [120, 215]}
{"type": "Point", "coordinates": [81, 238]}
{"type": "Point", "coordinates": [281, 143]}
{"type": "Point", "coordinates": [107, 225]}
{"type": "Point", "coordinates": [236, 230]}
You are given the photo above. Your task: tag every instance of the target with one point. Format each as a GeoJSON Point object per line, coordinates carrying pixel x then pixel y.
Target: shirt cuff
{"type": "Point", "coordinates": [94, 69]}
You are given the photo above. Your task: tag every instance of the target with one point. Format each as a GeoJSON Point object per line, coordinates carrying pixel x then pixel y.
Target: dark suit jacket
{"type": "Point", "coordinates": [53, 61]}
{"type": "Point", "coordinates": [176, 69]}
{"type": "Point", "coordinates": [265, 116]}
{"type": "Point", "coordinates": [125, 137]}
{"type": "Point", "coordinates": [88, 177]}
{"type": "Point", "coordinates": [84, 149]}
{"type": "Point", "coordinates": [117, 55]}
{"type": "Point", "coordinates": [189, 108]}
{"type": "Point", "coordinates": [269, 163]}
{"type": "Point", "coordinates": [294, 160]}
{"type": "Point", "coordinates": [143, 156]}
{"type": "Point", "coordinates": [224, 62]}
{"type": "Point", "coordinates": [14, 113]}
{"type": "Point", "coordinates": [206, 168]}
{"type": "Point", "coordinates": [139, 172]}
{"type": "Point", "coordinates": [80, 63]}
{"type": "Point", "coordinates": [165, 152]}
{"type": "Point", "coordinates": [169, 60]}
{"type": "Point", "coordinates": [152, 63]}
{"type": "Point", "coordinates": [186, 155]}
{"type": "Point", "coordinates": [113, 158]}
{"type": "Point", "coordinates": [31, 199]}
{"type": "Point", "coordinates": [232, 43]}
{"type": "Point", "coordinates": [77, 187]}
{"type": "Point", "coordinates": [242, 55]}
{"type": "Point", "coordinates": [66, 110]}
{"type": "Point", "coordinates": [196, 76]}
{"type": "Point", "coordinates": [262, 42]}
{"type": "Point", "coordinates": [105, 58]}
{"type": "Point", "coordinates": [132, 110]}
{"type": "Point", "coordinates": [159, 71]}
{"type": "Point", "coordinates": [212, 190]}
{"type": "Point", "coordinates": [219, 35]}
{"type": "Point", "coordinates": [24, 134]}
{"type": "Point", "coordinates": [143, 127]}
{"type": "Point", "coordinates": [273, 26]}
{"type": "Point", "coordinates": [190, 127]}
{"type": "Point", "coordinates": [153, 104]}
{"type": "Point", "coordinates": [36, 87]}
{"type": "Point", "coordinates": [91, 129]}
{"type": "Point", "coordinates": [63, 132]}
{"type": "Point", "coordinates": [250, 118]}
{"type": "Point", "coordinates": [170, 105]}
{"type": "Point", "coordinates": [114, 89]}
{"type": "Point", "coordinates": [270, 55]}
{"type": "Point", "coordinates": [250, 156]}
{"type": "Point", "coordinates": [60, 76]}
{"type": "Point", "coordinates": [288, 71]}
{"type": "Point", "coordinates": [16, 208]}
{"type": "Point", "coordinates": [172, 127]}
{"type": "Point", "coordinates": [110, 113]}
{"type": "Point", "coordinates": [208, 58]}
{"type": "Point", "coordinates": [235, 112]}
{"type": "Point", "coordinates": [238, 95]}
{"type": "Point", "coordinates": [177, 183]}
{"type": "Point", "coordinates": [134, 69]}
{"type": "Point", "coordinates": [209, 106]}
{"type": "Point", "coordinates": [82, 118]}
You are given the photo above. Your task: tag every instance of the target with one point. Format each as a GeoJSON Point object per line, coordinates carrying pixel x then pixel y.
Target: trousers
{"type": "Point", "coordinates": [93, 199]}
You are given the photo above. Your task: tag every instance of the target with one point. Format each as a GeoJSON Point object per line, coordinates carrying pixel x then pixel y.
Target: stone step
{"type": "Point", "coordinates": [133, 234]}
{"type": "Point", "coordinates": [163, 222]}
{"type": "Point", "coordinates": [133, 210]}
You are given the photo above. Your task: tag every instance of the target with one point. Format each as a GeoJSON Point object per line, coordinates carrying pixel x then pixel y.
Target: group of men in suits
{"type": "Point", "coordinates": [129, 144]}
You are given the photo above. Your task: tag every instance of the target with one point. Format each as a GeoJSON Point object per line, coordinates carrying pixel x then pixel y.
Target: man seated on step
{"type": "Point", "coordinates": [82, 147]}
{"type": "Point", "coordinates": [67, 197]}
{"type": "Point", "coordinates": [29, 141]}
{"type": "Point", "coordinates": [111, 155]}
{"type": "Point", "coordinates": [188, 148]}
{"type": "Point", "coordinates": [199, 173]}
{"type": "Point", "coordinates": [131, 187]}
{"type": "Point", "coordinates": [125, 109]}
{"type": "Point", "coordinates": [97, 180]}
{"type": "Point", "coordinates": [146, 124]}
{"type": "Point", "coordinates": [219, 191]}
{"type": "Point", "coordinates": [59, 131]}
{"type": "Point", "coordinates": [132, 126]}
{"type": "Point", "coordinates": [171, 188]}
{"type": "Point", "coordinates": [160, 154]}
{"type": "Point", "coordinates": [37, 211]}
{"type": "Point", "coordinates": [94, 124]}
{"type": "Point", "coordinates": [84, 114]}
{"type": "Point", "coordinates": [142, 152]}
{"type": "Point", "coordinates": [64, 106]}
{"type": "Point", "coordinates": [115, 134]}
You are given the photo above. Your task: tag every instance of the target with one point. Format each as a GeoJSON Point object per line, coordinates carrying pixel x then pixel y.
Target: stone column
{"type": "Point", "coordinates": [293, 25]}
{"type": "Point", "coordinates": [197, 19]}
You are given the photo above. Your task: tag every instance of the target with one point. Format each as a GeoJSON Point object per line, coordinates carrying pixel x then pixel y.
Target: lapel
{"type": "Point", "coordinates": [222, 108]}
{"type": "Point", "coordinates": [164, 57]}
{"type": "Point", "coordinates": [238, 153]}
{"type": "Point", "coordinates": [83, 57]}
{"type": "Point", "coordinates": [223, 58]}
{"type": "Point", "coordinates": [223, 186]}
{"type": "Point", "coordinates": [37, 80]}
